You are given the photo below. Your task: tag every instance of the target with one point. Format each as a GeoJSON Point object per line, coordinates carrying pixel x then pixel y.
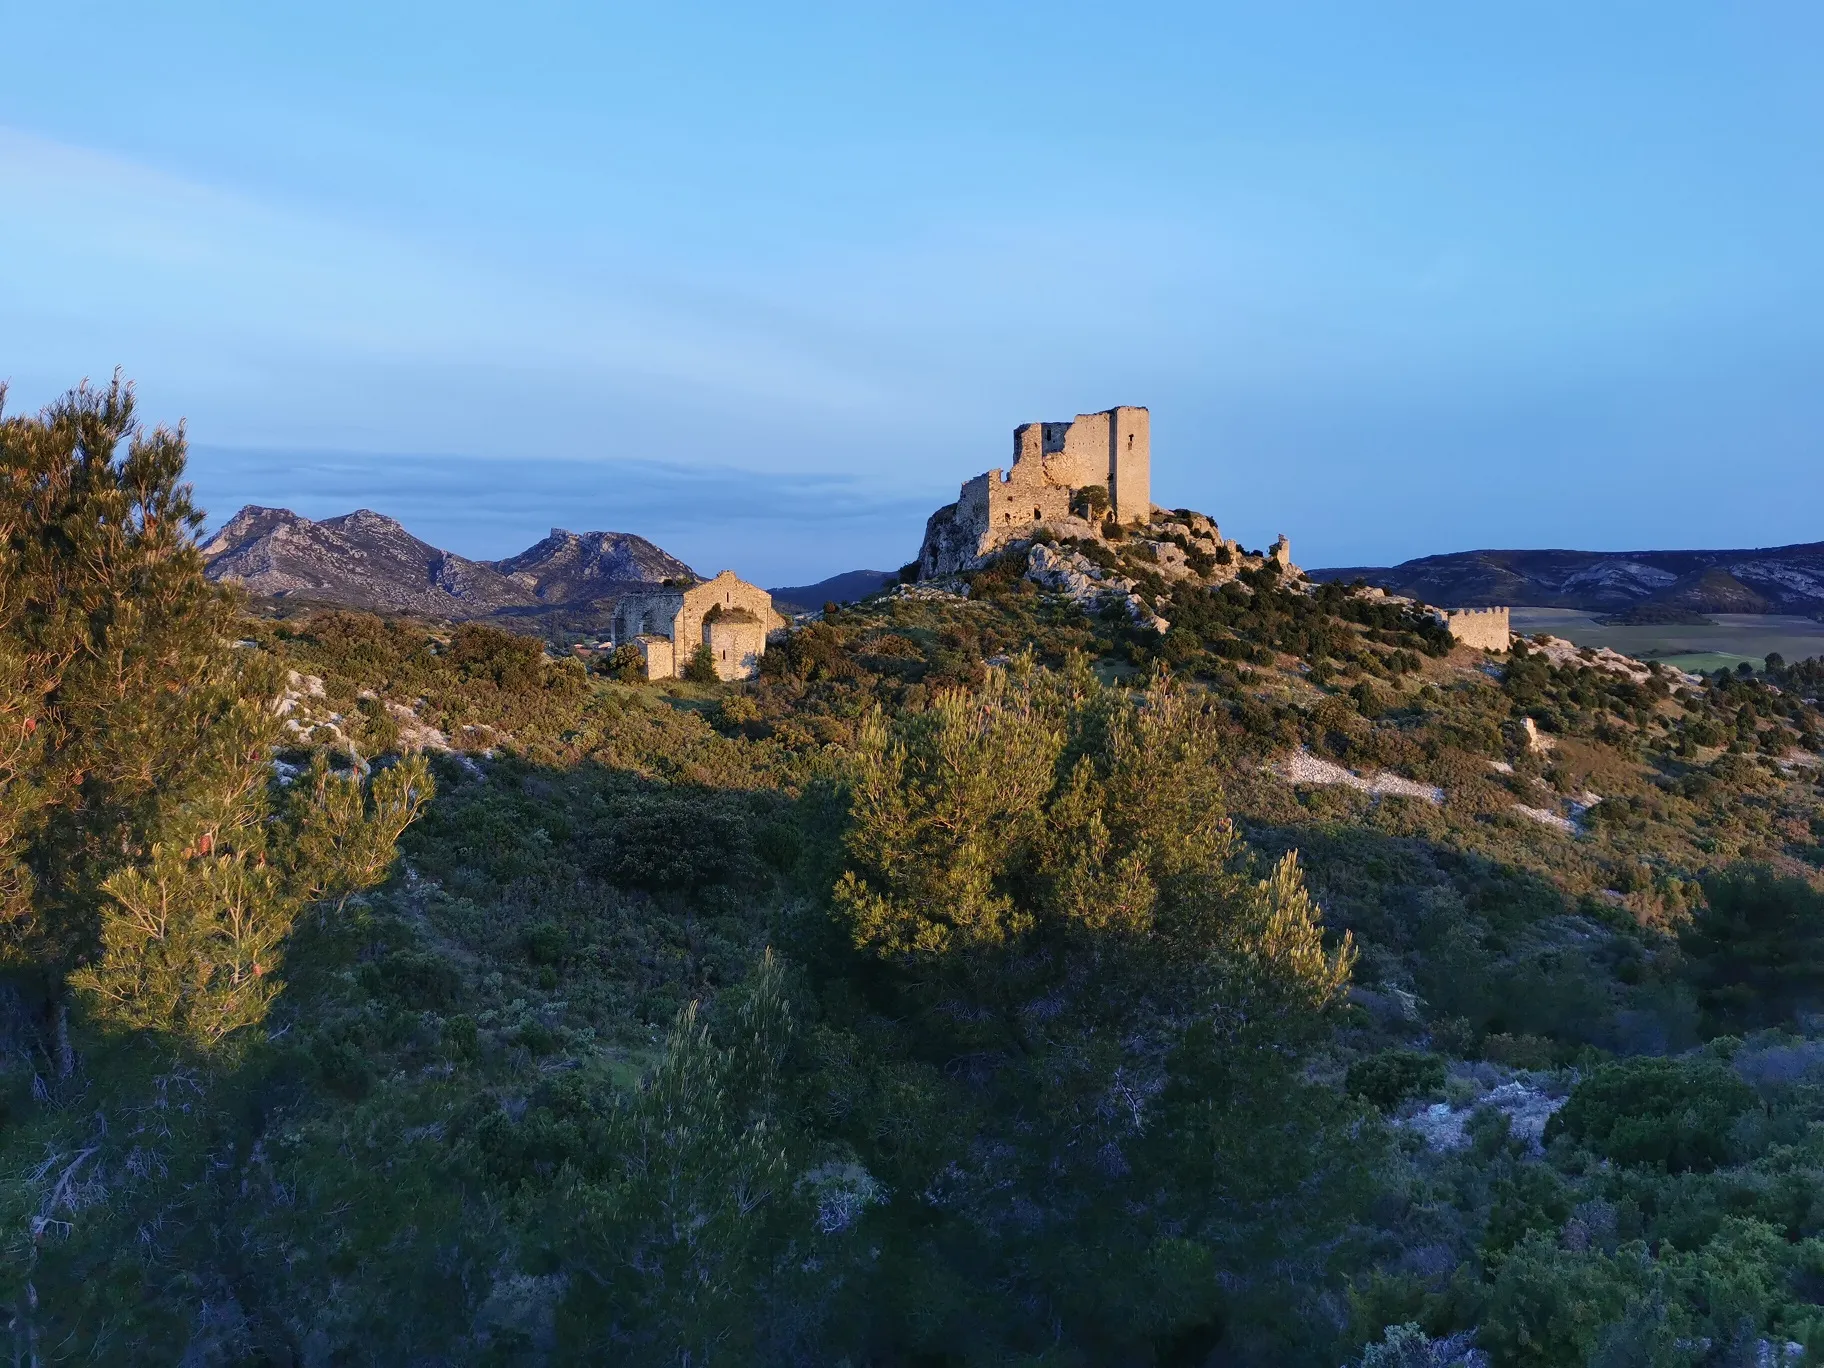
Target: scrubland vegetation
{"type": "Point", "coordinates": [973, 987]}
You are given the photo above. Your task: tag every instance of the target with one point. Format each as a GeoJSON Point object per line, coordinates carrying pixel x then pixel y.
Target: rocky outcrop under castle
{"type": "Point", "coordinates": [1079, 579]}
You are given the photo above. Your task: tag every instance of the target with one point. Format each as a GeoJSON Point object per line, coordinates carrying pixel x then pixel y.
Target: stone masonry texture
{"type": "Point", "coordinates": [1052, 464]}
{"type": "Point", "coordinates": [727, 614]}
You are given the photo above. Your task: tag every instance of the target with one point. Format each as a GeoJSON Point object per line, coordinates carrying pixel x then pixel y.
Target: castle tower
{"type": "Point", "coordinates": [1130, 464]}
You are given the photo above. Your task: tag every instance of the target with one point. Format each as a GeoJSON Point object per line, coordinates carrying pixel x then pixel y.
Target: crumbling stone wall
{"type": "Point", "coordinates": [957, 533]}
{"type": "Point", "coordinates": [729, 615]}
{"type": "Point", "coordinates": [1024, 498]}
{"type": "Point", "coordinates": [728, 592]}
{"type": "Point", "coordinates": [658, 656]}
{"type": "Point", "coordinates": [1486, 629]}
{"type": "Point", "coordinates": [1130, 442]}
{"type": "Point", "coordinates": [736, 640]}
{"type": "Point", "coordinates": [1051, 463]}
{"type": "Point", "coordinates": [649, 614]}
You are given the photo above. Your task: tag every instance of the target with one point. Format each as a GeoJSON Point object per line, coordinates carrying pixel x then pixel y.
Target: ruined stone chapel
{"type": "Point", "coordinates": [668, 622]}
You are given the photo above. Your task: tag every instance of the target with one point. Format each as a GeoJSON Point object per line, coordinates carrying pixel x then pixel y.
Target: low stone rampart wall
{"type": "Point", "coordinates": [1487, 629]}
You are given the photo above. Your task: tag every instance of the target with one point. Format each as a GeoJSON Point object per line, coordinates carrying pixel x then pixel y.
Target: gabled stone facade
{"type": "Point", "coordinates": [1053, 465]}
{"type": "Point", "coordinates": [727, 614]}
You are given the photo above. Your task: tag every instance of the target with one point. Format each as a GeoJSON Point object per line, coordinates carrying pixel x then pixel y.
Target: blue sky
{"type": "Point", "coordinates": [767, 282]}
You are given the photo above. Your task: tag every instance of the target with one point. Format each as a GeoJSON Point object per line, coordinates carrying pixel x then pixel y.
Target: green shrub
{"type": "Point", "coordinates": [379, 732]}
{"type": "Point", "coordinates": [624, 663]}
{"type": "Point", "coordinates": [1090, 502]}
{"type": "Point", "coordinates": [1528, 1197]}
{"type": "Point", "coordinates": [342, 1066]}
{"type": "Point", "coordinates": [1403, 1346]}
{"type": "Point", "coordinates": [536, 1037]}
{"type": "Point", "coordinates": [417, 979]}
{"type": "Point", "coordinates": [1180, 647]}
{"type": "Point", "coordinates": [1674, 1114]}
{"type": "Point", "coordinates": [737, 710]}
{"type": "Point", "coordinates": [1519, 1051]}
{"type": "Point", "coordinates": [461, 1036]}
{"type": "Point", "coordinates": [1389, 1078]}
{"type": "Point", "coordinates": [1146, 582]}
{"type": "Point", "coordinates": [545, 943]}
{"type": "Point", "coordinates": [779, 844]}
{"type": "Point", "coordinates": [701, 667]}
{"type": "Point", "coordinates": [1550, 1307]}
{"type": "Point", "coordinates": [1756, 948]}
{"type": "Point", "coordinates": [505, 659]}
{"type": "Point", "coordinates": [673, 839]}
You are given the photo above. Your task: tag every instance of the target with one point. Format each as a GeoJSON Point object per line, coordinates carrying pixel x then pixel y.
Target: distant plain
{"type": "Point", "coordinates": [1733, 638]}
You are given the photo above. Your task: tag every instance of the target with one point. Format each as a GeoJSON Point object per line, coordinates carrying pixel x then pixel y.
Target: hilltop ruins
{"type": "Point", "coordinates": [1088, 482]}
{"type": "Point", "coordinates": [1069, 477]}
{"type": "Point", "coordinates": [668, 622]}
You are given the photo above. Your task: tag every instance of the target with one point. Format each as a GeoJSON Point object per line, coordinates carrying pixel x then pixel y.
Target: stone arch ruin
{"type": "Point", "coordinates": [727, 614]}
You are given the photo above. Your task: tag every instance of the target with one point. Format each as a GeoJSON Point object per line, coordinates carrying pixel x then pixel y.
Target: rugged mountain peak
{"type": "Point", "coordinates": [361, 559]}
{"type": "Point", "coordinates": [566, 566]}
{"type": "Point", "coordinates": [367, 560]}
{"type": "Point", "coordinates": [250, 523]}
{"type": "Point", "coordinates": [364, 521]}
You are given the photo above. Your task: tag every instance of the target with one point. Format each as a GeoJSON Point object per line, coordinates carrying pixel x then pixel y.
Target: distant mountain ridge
{"type": "Point", "coordinates": [367, 560]}
{"type": "Point", "coordinates": [1778, 579]}
{"type": "Point", "coordinates": [848, 587]}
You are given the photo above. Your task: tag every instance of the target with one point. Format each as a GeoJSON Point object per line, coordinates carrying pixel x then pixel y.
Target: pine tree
{"type": "Point", "coordinates": [1049, 812]}
{"type": "Point", "coordinates": [1089, 1019]}
{"type": "Point", "coordinates": [690, 1232]}
{"type": "Point", "coordinates": [151, 864]}
{"type": "Point", "coordinates": [700, 668]}
{"type": "Point", "coordinates": [146, 870]}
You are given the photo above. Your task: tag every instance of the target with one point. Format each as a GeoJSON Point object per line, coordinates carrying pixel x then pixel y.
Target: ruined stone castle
{"type": "Point", "coordinates": [1069, 477]}
{"type": "Point", "coordinates": [669, 622]}
{"type": "Point", "coordinates": [1073, 480]}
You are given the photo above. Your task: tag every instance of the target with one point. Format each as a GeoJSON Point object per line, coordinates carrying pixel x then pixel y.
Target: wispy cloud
{"type": "Point", "coordinates": [128, 251]}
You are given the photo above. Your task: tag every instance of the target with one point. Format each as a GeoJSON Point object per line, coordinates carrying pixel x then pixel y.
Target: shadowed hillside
{"type": "Point", "coordinates": [848, 587]}
{"type": "Point", "coordinates": [1126, 951]}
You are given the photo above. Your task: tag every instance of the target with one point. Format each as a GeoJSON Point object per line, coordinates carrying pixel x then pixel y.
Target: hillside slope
{"type": "Point", "coordinates": [1780, 579]}
{"type": "Point", "coordinates": [851, 586]}
{"type": "Point", "coordinates": [1515, 896]}
{"type": "Point", "coordinates": [576, 568]}
{"type": "Point", "coordinates": [1124, 952]}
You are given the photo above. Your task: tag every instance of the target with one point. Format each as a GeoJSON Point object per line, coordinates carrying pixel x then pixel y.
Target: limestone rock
{"type": "Point", "coordinates": [1081, 580]}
